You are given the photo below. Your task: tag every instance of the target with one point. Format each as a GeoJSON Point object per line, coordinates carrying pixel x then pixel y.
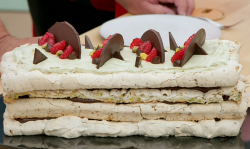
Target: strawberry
{"type": "Point", "coordinates": [146, 47]}
{"type": "Point", "coordinates": [58, 46]}
{"type": "Point", "coordinates": [136, 42]}
{"type": "Point", "coordinates": [97, 54]}
{"type": "Point", "coordinates": [105, 41]}
{"type": "Point", "coordinates": [151, 55]}
{"type": "Point", "coordinates": [68, 50]}
{"type": "Point", "coordinates": [47, 38]}
{"type": "Point", "coordinates": [188, 41]}
{"type": "Point", "coordinates": [178, 55]}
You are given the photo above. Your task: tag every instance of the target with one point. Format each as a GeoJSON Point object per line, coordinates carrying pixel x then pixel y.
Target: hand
{"type": "Point", "coordinates": [9, 43]}
{"type": "Point", "coordinates": [181, 7]}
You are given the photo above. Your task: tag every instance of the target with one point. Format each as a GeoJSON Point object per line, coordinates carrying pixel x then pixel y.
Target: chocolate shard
{"type": "Point", "coordinates": [48, 47]}
{"type": "Point", "coordinates": [73, 55]}
{"type": "Point", "coordinates": [95, 60]}
{"type": "Point", "coordinates": [114, 45]}
{"type": "Point", "coordinates": [118, 55]}
{"type": "Point", "coordinates": [88, 43]}
{"type": "Point", "coordinates": [177, 63]}
{"type": "Point", "coordinates": [138, 61]}
{"type": "Point", "coordinates": [156, 60]}
{"type": "Point", "coordinates": [172, 42]}
{"type": "Point", "coordinates": [138, 52]}
{"type": "Point", "coordinates": [39, 41]}
{"type": "Point", "coordinates": [38, 56]}
{"type": "Point", "coordinates": [156, 41]}
{"type": "Point", "coordinates": [98, 48]}
{"type": "Point", "coordinates": [65, 31]}
{"type": "Point", "coordinates": [199, 39]}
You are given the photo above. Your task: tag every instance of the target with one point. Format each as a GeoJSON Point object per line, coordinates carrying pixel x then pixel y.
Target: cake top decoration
{"type": "Point", "coordinates": [38, 57]}
{"type": "Point", "coordinates": [111, 49]}
{"type": "Point", "coordinates": [88, 43]}
{"type": "Point", "coordinates": [156, 41]}
{"type": "Point", "coordinates": [65, 31]}
{"type": "Point", "coordinates": [193, 46]}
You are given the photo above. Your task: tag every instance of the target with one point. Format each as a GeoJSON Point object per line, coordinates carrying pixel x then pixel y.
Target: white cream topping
{"type": "Point", "coordinates": [218, 56]}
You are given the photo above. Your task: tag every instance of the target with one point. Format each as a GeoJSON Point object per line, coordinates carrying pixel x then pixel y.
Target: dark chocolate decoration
{"type": "Point", "coordinates": [73, 55]}
{"type": "Point", "coordinates": [156, 41]}
{"type": "Point", "coordinates": [38, 57]}
{"type": "Point", "coordinates": [48, 47]}
{"type": "Point", "coordinates": [98, 48]}
{"type": "Point", "coordinates": [138, 61]}
{"type": "Point", "coordinates": [138, 52]}
{"type": "Point", "coordinates": [172, 42]}
{"type": "Point", "coordinates": [156, 60]}
{"type": "Point", "coordinates": [199, 39]}
{"type": "Point", "coordinates": [39, 41]}
{"type": "Point", "coordinates": [88, 43]}
{"type": "Point", "coordinates": [111, 50]}
{"type": "Point", "coordinates": [194, 48]}
{"type": "Point", "coordinates": [65, 31]}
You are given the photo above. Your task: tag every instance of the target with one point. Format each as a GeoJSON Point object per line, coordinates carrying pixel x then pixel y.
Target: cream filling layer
{"type": "Point", "coordinates": [51, 108]}
{"type": "Point", "coordinates": [73, 127]}
{"type": "Point", "coordinates": [141, 95]}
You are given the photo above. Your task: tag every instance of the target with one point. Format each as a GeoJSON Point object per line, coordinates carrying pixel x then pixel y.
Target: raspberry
{"type": "Point", "coordinates": [178, 55]}
{"type": "Point", "coordinates": [68, 50]}
{"type": "Point", "coordinates": [189, 40]}
{"type": "Point", "coordinates": [136, 42]}
{"type": "Point", "coordinates": [47, 38]}
{"type": "Point", "coordinates": [105, 41]}
{"type": "Point", "coordinates": [151, 55]}
{"type": "Point", "coordinates": [146, 47]}
{"type": "Point", "coordinates": [58, 46]}
{"type": "Point", "coordinates": [97, 54]}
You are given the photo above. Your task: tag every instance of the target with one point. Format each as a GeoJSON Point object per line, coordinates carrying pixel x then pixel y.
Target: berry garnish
{"type": "Point", "coordinates": [178, 55]}
{"type": "Point", "coordinates": [105, 41]}
{"type": "Point", "coordinates": [146, 47]}
{"type": "Point", "coordinates": [47, 38]}
{"type": "Point", "coordinates": [58, 46]}
{"type": "Point", "coordinates": [151, 55]}
{"type": "Point", "coordinates": [188, 41]}
{"type": "Point", "coordinates": [68, 50]}
{"type": "Point", "coordinates": [136, 42]}
{"type": "Point", "coordinates": [97, 54]}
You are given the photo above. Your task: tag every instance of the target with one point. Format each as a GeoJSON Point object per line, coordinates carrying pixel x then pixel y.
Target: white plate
{"type": "Point", "coordinates": [181, 27]}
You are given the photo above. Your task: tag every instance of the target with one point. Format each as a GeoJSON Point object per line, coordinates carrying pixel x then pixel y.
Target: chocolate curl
{"type": "Point", "coordinates": [111, 50]}
{"type": "Point", "coordinates": [65, 31]}
{"type": "Point", "coordinates": [38, 57]}
{"type": "Point", "coordinates": [156, 41]}
{"type": "Point", "coordinates": [88, 43]}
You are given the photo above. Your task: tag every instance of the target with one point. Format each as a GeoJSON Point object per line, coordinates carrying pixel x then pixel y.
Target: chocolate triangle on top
{"type": "Point", "coordinates": [194, 48]}
{"type": "Point", "coordinates": [172, 42]}
{"type": "Point", "coordinates": [38, 56]}
{"type": "Point", "coordinates": [88, 43]}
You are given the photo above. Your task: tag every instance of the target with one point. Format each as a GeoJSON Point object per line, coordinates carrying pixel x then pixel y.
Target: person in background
{"type": "Point", "coordinates": [85, 15]}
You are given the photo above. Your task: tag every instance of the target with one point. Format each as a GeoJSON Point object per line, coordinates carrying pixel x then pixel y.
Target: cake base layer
{"type": "Point", "coordinates": [53, 108]}
{"type": "Point", "coordinates": [73, 127]}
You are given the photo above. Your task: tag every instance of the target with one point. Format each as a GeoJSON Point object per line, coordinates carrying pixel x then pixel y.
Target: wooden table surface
{"type": "Point", "coordinates": [234, 10]}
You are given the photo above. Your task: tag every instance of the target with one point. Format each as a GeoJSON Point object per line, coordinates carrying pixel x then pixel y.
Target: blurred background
{"type": "Point", "coordinates": [16, 17]}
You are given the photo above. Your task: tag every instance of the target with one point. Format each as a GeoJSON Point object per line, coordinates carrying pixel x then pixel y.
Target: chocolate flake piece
{"type": "Point", "coordinates": [111, 50]}
{"type": "Point", "coordinates": [138, 52]}
{"type": "Point", "coordinates": [39, 39]}
{"type": "Point", "coordinates": [38, 57]}
{"type": "Point", "coordinates": [156, 60]}
{"type": "Point", "coordinates": [156, 41]}
{"type": "Point", "coordinates": [73, 55]}
{"type": "Point", "coordinates": [65, 31]}
{"type": "Point", "coordinates": [88, 43]}
{"type": "Point", "coordinates": [173, 45]}
{"type": "Point", "coordinates": [199, 39]}
{"type": "Point", "coordinates": [48, 47]}
{"type": "Point", "coordinates": [137, 61]}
